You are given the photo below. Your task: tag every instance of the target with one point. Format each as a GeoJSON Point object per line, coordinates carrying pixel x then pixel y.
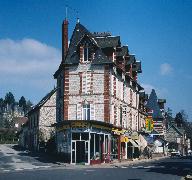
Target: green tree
{"type": "Point", "coordinates": [23, 104]}
{"type": "Point", "coordinates": [179, 119]}
{"type": "Point", "coordinates": [9, 98]}
{"type": "Point", "coordinates": [1, 105]}
{"type": "Point", "coordinates": [184, 115]}
{"type": "Point", "coordinates": [29, 105]}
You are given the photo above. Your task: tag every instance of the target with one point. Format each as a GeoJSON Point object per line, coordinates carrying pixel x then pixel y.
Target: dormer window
{"type": "Point", "coordinates": [87, 53]}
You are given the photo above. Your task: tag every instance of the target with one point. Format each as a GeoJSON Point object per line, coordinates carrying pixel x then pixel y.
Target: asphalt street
{"type": "Point", "coordinates": [20, 165]}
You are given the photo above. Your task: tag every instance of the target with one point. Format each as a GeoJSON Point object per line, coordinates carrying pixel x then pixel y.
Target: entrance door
{"type": "Point", "coordinates": [80, 151]}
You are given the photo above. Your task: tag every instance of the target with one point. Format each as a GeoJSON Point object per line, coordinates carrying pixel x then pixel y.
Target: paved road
{"type": "Point", "coordinates": [39, 169]}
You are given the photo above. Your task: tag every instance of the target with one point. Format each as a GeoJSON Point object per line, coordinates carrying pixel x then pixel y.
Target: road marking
{"type": "Point", "coordinates": [136, 167]}
{"type": "Point", "coordinates": [19, 169]}
{"type": "Point", "coordinates": [148, 167]}
{"type": "Point", "coordinates": [28, 168]}
{"type": "Point", "coordinates": [42, 166]}
{"type": "Point", "coordinates": [6, 170]}
{"type": "Point", "coordinates": [89, 170]}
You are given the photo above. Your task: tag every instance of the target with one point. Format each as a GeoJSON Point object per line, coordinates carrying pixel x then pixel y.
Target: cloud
{"type": "Point", "coordinates": [161, 92]}
{"type": "Point", "coordinates": [28, 63]}
{"type": "Point", "coordinates": [165, 69]}
{"type": "Point", "coordinates": [148, 88]}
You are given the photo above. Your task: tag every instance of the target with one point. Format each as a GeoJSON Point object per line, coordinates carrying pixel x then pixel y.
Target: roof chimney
{"type": "Point", "coordinates": [64, 39]}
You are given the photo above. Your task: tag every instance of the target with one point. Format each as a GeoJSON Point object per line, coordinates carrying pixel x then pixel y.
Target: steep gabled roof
{"type": "Point", "coordinates": [179, 131]}
{"type": "Point", "coordinates": [78, 33]}
{"type": "Point", "coordinates": [43, 101]}
{"type": "Point", "coordinates": [153, 105]}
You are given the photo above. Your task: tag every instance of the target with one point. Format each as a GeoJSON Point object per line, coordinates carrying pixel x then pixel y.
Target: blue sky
{"type": "Point", "coordinates": [158, 32]}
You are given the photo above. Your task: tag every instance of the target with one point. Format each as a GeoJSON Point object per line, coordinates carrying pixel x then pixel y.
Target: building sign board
{"type": "Point", "coordinates": [149, 123]}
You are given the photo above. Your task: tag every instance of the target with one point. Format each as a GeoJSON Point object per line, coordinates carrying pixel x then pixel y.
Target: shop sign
{"type": "Point", "coordinates": [149, 124]}
{"type": "Point", "coordinates": [63, 128]}
{"type": "Point", "coordinates": [124, 139]}
{"type": "Point", "coordinates": [79, 124]}
{"type": "Point", "coordinates": [118, 132]}
{"type": "Point", "coordinates": [135, 136]}
{"type": "Point", "coordinates": [101, 127]}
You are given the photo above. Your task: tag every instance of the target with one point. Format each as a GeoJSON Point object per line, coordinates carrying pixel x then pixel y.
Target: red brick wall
{"type": "Point", "coordinates": [81, 54]}
{"type": "Point", "coordinates": [66, 93]}
{"type": "Point", "coordinates": [106, 95]}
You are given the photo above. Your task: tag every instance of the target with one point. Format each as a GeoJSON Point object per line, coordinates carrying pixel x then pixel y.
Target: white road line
{"type": "Point", "coordinates": [28, 168]}
{"type": "Point", "coordinates": [19, 169]}
{"type": "Point", "coordinates": [6, 170]}
{"type": "Point", "coordinates": [135, 167]}
{"type": "Point", "coordinates": [89, 170]}
{"type": "Point", "coordinates": [42, 166]}
{"type": "Point", "coordinates": [148, 167]}
{"type": "Point", "coordinates": [124, 167]}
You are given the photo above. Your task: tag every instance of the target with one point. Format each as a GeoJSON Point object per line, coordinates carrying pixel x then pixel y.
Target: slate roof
{"type": "Point", "coordinates": [131, 59]}
{"type": "Point", "coordinates": [137, 67]}
{"type": "Point", "coordinates": [124, 51]}
{"type": "Point", "coordinates": [43, 100]}
{"type": "Point", "coordinates": [100, 58]}
{"type": "Point", "coordinates": [153, 105]}
{"type": "Point", "coordinates": [178, 130]}
{"type": "Point", "coordinates": [78, 34]}
{"type": "Point", "coordinates": [109, 41]}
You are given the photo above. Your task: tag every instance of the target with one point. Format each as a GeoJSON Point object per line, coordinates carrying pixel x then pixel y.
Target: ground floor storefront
{"type": "Point", "coordinates": [93, 142]}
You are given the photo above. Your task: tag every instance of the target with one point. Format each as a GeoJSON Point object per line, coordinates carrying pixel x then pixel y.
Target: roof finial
{"type": "Point", "coordinates": [78, 21]}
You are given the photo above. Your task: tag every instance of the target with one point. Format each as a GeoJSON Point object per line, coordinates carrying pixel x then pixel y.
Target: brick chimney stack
{"type": "Point", "coordinates": [64, 39]}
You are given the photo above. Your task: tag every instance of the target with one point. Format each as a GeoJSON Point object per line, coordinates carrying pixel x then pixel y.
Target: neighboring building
{"type": "Point", "coordinates": [178, 135]}
{"type": "Point", "coordinates": [41, 118]}
{"type": "Point", "coordinates": [142, 110]}
{"type": "Point", "coordinates": [154, 111]}
{"type": "Point", "coordinates": [18, 122]}
{"type": "Point", "coordinates": [176, 138]}
{"type": "Point", "coordinates": [23, 136]}
{"type": "Point", "coordinates": [97, 97]}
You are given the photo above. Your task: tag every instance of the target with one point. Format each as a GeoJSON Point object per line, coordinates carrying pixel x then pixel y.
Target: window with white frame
{"type": "Point", "coordinates": [87, 53]}
{"type": "Point", "coordinates": [86, 112]}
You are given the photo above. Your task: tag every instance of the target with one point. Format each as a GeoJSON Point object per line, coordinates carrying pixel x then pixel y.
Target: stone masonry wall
{"type": "Point", "coordinates": [47, 117]}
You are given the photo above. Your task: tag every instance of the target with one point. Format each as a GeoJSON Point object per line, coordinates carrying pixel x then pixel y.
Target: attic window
{"type": "Point", "coordinates": [87, 53]}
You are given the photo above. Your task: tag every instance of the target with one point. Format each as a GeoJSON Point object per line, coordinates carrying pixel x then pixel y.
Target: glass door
{"type": "Point", "coordinates": [73, 152]}
{"type": "Point", "coordinates": [87, 158]}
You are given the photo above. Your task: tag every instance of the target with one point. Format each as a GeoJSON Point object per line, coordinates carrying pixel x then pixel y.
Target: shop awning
{"type": "Point", "coordinates": [133, 143]}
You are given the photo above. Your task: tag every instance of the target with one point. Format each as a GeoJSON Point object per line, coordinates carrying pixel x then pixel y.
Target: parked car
{"type": "Point", "coordinates": [176, 154]}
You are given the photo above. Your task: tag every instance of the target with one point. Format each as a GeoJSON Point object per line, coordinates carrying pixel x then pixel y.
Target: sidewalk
{"type": "Point", "coordinates": [130, 162]}
{"type": "Point", "coordinates": [114, 164]}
